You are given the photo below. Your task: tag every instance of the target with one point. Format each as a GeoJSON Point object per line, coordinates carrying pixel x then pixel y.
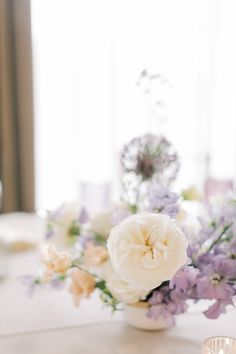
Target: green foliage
{"type": "Point", "coordinates": [106, 296]}
{"type": "Point", "coordinates": [100, 239]}
{"type": "Point", "coordinates": [74, 229]}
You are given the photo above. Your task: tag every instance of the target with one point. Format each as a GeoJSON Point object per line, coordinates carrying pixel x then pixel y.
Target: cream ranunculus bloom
{"type": "Point", "coordinates": [146, 249]}
{"type": "Point", "coordinates": [120, 289]}
{"type": "Point", "coordinates": [101, 222]}
{"type": "Point", "coordinates": [104, 220]}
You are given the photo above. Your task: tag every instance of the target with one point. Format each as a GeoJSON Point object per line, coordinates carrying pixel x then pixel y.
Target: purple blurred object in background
{"type": "Point", "coordinates": [215, 186]}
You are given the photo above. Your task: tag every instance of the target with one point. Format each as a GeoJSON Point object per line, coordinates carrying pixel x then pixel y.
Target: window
{"type": "Point", "coordinates": [88, 59]}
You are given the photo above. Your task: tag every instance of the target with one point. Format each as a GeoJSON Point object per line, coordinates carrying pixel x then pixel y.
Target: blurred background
{"type": "Point", "coordinates": [78, 79]}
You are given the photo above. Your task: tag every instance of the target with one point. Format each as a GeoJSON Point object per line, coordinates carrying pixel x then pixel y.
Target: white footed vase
{"type": "Point", "coordinates": [136, 316]}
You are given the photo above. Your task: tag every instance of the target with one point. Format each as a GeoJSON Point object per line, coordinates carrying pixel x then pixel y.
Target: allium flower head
{"type": "Point", "coordinates": [150, 156]}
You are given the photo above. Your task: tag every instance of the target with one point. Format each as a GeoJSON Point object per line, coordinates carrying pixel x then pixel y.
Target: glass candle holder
{"type": "Point", "coordinates": [219, 345]}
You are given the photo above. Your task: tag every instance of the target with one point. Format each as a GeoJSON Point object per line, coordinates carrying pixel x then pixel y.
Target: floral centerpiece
{"type": "Point", "coordinates": [138, 253]}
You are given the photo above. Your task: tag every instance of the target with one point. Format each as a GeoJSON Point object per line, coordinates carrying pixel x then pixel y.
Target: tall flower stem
{"type": "Point", "coordinates": [74, 265]}
{"type": "Point", "coordinates": [225, 229]}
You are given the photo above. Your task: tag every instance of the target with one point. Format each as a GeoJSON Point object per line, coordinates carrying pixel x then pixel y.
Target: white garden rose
{"type": "Point", "coordinates": [120, 289]}
{"type": "Point", "coordinates": [104, 220]}
{"type": "Point", "coordinates": [146, 249]}
{"type": "Point", "coordinates": [101, 222]}
{"type": "Point", "coordinates": [59, 221]}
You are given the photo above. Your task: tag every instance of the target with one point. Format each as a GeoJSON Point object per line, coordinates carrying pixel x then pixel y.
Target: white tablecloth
{"type": "Point", "coordinates": [49, 323]}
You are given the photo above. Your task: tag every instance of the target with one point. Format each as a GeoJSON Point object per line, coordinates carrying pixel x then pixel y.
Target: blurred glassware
{"type": "Point", "coordinates": [21, 231]}
{"type": "Point", "coordinates": [18, 232]}
{"type": "Point", "coordinates": [219, 345]}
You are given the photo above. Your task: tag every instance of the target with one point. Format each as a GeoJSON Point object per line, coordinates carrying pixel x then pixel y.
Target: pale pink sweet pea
{"type": "Point", "coordinates": [83, 284]}
{"type": "Point", "coordinates": [94, 255]}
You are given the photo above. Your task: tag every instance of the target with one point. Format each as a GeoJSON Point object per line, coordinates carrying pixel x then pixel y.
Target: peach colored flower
{"type": "Point", "coordinates": [55, 262]}
{"type": "Point", "coordinates": [82, 285]}
{"type": "Point", "coordinates": [95, 255]}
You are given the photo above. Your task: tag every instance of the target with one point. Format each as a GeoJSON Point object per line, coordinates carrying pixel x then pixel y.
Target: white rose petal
{"type": "Point", "coordinates": [104, 220]}
{"type": "Point", "coordinates": [101, 222]}
{"type": "Point", "coordinates": [146, 249]}
{"type": "Point", "coordinates": [120, 289]}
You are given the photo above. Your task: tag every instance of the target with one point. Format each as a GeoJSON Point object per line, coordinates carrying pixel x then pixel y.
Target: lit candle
{"type": "Point", "coordinates": [219, 345]}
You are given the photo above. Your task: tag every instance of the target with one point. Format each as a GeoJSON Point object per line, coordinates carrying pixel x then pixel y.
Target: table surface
{"type": "Point", "coordinates": [49, 323]}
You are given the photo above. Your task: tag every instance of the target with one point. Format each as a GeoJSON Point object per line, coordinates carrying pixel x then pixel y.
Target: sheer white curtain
{"type": "Point", "coordinates": [88, 56]}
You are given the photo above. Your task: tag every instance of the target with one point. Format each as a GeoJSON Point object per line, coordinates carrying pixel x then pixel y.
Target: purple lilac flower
{"type": "Point", "coordinates": [219, 220]}
{"type": "Point", "coordinates": [217, 236]}
{"type": "Point", "coordinates": [212, 275]}
{"type": "Point", "coordinates": [178, 304]}
{"type": "Point", "coordinates": [214, 255]}
{"type": "Point", "coordinates": [57, 283]}
{"type": "Point", "coordinates": [161, 311]}
{"type": "Point", "coordinates": [166, 303]}
{"type": "Point", "coordinates": [193, 249]}
{"type": "Point", "coordinates": [185, 279]}
{"type": "Point", "coordinates": [158, 296]}
{"type": "Point", "coordinates": [204, 259]}
{"type": "Point", "coordinates": [219, 307]}
{"type": "Point", "coordinates": [214, 281]}
{"type": "Point", "coordinates": [162, 200]}
{"type": "Point", "coordinates": [49, 232]}
{"type": "Point", "coordinates": [31, 284]}
{"type": "Point", "coordinates": [150, 156]}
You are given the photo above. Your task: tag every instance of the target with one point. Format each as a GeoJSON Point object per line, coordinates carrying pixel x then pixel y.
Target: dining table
{"type": "Point", "coordinates": [49, 323]}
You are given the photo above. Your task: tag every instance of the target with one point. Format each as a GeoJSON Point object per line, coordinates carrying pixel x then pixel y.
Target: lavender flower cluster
{"type": "Point", "coordinates": [213, 256]}
{"type": "Point", "coordinates": [166, 303]}
{"type": "Point", "coordinates": [211, 273]}
{"type": "Point", "coordinates": [160, 199]}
